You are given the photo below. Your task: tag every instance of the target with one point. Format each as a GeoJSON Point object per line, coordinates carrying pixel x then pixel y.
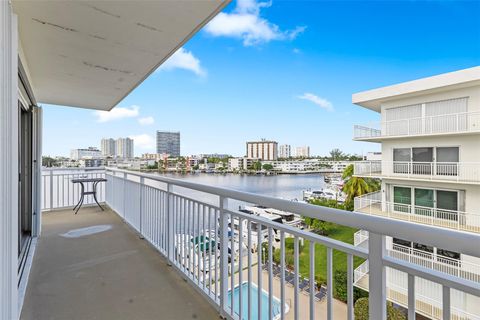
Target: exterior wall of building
{"type": "Point", "coordinates": [473, 94]}
{"type": "Point", "coordinates": [469, 145]}
{"type": "Point", "coordinates": [108, 147]}
{"type": "Point", "coordinates": [263, 150]}
{"type": "Point", "coordinates": [285, 151]}
{"type": "Point", "coordinates": [125, 148]}
{"type": "Point", "coordinates": [168, 143]}
{"type": "Point", "coordinates": [92, 152]}
{"type": "Point", "coordinates": [302, 152]}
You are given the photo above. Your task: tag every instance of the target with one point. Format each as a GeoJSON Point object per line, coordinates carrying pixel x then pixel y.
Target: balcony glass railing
{"type": "Point", "coordinates": [232, 256]}
{"type": "Point", "coordinates": [442, 124]}
{"type": "Point", "coordinates": [372, 204]}
{"type": "Point", "coordinates": [444, 171]}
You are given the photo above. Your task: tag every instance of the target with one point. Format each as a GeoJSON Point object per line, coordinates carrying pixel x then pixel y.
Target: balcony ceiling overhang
{"type": "Point", "coordinates": [373, 99]}
{"type": "Point", "coordinates": [91, 54]}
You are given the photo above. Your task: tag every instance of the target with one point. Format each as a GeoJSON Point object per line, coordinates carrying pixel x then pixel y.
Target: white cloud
{"type": "Point", "coordinates": [144, 142]}
{"type": "Point", "coordinates": [296, 50]}
{"type": "Point", "coordinates": [146, 121]}
{"type": "Point", "coordinates": [117, 113]}
{"type": "Point", "coordinates": [245, 23]}
{"type": "Point", "coordinates": [319, 101]}
{"type": "Point", "coordinates": [183, 59]}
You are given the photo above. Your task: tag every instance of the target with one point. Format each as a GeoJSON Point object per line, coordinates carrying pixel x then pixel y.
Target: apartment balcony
{"type": "Point", "coordinates": [166, 247]}
{"type": "Point", "coordinates": [455, 172]}
{"type": "Point", "coordinates": [428, 295]}
{"type": "Point", "coordinates": [448, 124]}
{"type": "Point", "coordinates": [372, 204]}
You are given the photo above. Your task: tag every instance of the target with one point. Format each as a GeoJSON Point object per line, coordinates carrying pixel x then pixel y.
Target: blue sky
{"type": "Point", "coordinates": [282, 70]}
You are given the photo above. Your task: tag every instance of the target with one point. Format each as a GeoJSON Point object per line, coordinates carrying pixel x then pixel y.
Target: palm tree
{"type": "Point", "coordinates": [357, 186]}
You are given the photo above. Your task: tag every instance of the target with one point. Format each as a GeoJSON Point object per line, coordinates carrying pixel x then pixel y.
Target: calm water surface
{"type": "Point", "coordinates": [282, 186]}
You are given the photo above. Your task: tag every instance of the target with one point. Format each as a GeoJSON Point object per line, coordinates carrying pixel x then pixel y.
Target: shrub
{"type": "Point", "coordinates": [361, 311]}
{"type": "Point", "coordinates": [340, 287]}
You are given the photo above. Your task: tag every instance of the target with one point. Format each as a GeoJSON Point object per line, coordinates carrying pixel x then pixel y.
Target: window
{"type": "Point", "coordinates": [448, 201]}
{"type": "Point", "coordinates": [401, 160]}
{"type": "Point", "coordinates": [422, 158]}
{"type": "Point", "coordinates": [447, 161]}
{"type": "Point", "coordinates": [402, 198]}
{"type": "Point", "coordinates": [424, 199]}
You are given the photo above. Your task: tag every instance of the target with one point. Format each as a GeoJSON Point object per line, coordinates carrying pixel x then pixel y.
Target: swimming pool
{"type": "Point", "coordinates": [254, 290]}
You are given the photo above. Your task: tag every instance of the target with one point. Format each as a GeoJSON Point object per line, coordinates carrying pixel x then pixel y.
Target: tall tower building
{"type": "Point", "coordinates": [168, 142]}
{"type": "Point", "coordinates": [264, 150]}
{"type": "Point", "coordinates": [125, 148]}
{"type": "Point", "coordinates": [284, 151]}
{"type": "Point", "coordinates": [109, 147]}
{"type": "Point", "coordinates": [302, 152]}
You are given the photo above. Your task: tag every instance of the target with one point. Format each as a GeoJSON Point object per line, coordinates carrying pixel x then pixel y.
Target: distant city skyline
{"type": "Point", "coordinates": [292, 83]}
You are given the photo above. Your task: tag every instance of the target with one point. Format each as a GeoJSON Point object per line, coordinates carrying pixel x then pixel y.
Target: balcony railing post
{"type": "Point", "coordinates": [51, 189]}
{"type": "Point", "coordinates": [377, 280]}
{"type": "Point", "coordinates": [170, 225]}
{"type": "Point", "coordinates": [224, 255]}
{"type": "Point", "coordinates": [140, 209]}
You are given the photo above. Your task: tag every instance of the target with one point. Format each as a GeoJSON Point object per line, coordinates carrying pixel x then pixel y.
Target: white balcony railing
{"type": "Point", "coordinates": [215, 247]}
{"type": "Point", "coordinates": [442, 124]}
{"type": "Point", "coordinates": [372, 204]}
{"type": "Point", "coordinates": [428, 295]}
{"type": "Point", "coordinates": [59, 191]}
{"type": "Point", "coordinates": [468, 172]}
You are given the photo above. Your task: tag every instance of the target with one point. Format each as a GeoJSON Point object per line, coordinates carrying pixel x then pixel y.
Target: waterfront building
{"type": "Point", "coordinates": [90, 152]}
{"type": "Point", "coordinates": [90, 162]}
{"type": "Point", "coordinates": [302, 152]}
{"type": "Point", "coordinates": [430, 140]}
{"type": "Point", "coordinates": [168, 142]}
{"type": "Point", "coordinates": [108, 146]}
{"type": "Point", "coordinates": [285, 151]}
{"type": "Point", "coordinates": [213, 155]}
{"type": "Point", "coordinates": [263, 150]}
{"type": "Point", "coordinates": [125, 148]}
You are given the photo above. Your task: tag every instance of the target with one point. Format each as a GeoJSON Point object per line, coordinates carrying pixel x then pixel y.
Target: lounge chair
{"type": "Point", "coordinates": [304, 285]}
{"type": "Point", "coordinates": [321, 294]}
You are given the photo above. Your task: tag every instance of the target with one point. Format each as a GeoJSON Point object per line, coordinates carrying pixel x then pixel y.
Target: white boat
{"type": "Point", "coordinates": [328, 194]}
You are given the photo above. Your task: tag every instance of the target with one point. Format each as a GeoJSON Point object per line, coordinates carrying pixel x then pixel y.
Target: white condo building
{"type": "Point", "coordinates": [125, 148]}
{"type": "Point", "coordinates": [108, 147]}
{"type": "Point", "coordinates": [284, 151]}
{"type": "Point", "coordinates": [430, 170]}
{"type": "Point", "coordinates": [90, 152]}
{"type": "Point", "coordinates": [302, 152]}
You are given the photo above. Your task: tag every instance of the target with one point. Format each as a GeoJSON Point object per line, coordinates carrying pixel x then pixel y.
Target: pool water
{"type": "Point", "coordinates": [254, 291]}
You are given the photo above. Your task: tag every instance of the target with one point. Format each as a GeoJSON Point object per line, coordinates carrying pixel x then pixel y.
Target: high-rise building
{"type": "Point", "coordinates": [168, 142]}
{"type": "Point", "coordinates": [263, 150]}
{"type": "Point", "coordinates": [108, 147]}
{"type": "Point", "coordinates": [284, 151]}
{"type": "Point", "coordinates": [302, 152]}
{"type": "Point", "coordinates": [125, 148]}
{"type": "Point", "coordinates": [430, 142]}
{"type": "Point", "coordinates": [90, 152]}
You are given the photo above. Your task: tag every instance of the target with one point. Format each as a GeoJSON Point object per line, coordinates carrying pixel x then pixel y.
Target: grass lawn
{"type": "Point", "coordinates": [337, 232]}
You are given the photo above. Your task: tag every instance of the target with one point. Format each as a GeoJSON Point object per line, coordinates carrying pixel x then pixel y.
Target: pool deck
{"type": "Point", "coordinates": [339, 307]}
{"type": "Point", "coordinates": [108, 275]}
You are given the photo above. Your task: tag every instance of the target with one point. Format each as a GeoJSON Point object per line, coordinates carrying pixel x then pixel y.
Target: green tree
{"type": "Point", "coordinates": [361, 311]}
{"type": "Point", "coordinates": [337, 154]}
{"type": "Point", "coordinates": [49, 162]}
{"type": "Point", "coordinates": [257, 166]}
{"type": "Point", "coordinates": [267, 166]}
{"type": "Point", "coordinates": [357, 186]}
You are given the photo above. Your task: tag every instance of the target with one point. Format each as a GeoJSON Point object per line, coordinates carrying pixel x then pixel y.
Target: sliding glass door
{"type": "Point", "coordinates": [424, 201]}
{"type": "Point", "coordinates": [402, 199]}
{"type": "Point", "coordinates": [447, 161]}
{"type": "Point", "coordinates": [421, 160]}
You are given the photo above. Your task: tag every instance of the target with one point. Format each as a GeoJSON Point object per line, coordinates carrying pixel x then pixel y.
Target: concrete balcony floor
{"type": "Point", "coordinates": [108, 275]}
